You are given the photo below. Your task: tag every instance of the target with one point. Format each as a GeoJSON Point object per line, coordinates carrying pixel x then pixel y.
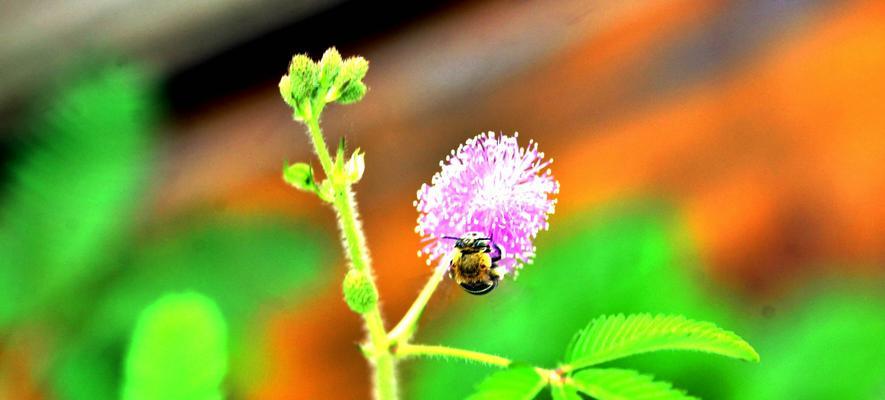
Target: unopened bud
{"type": "Point", "coordinates": [303, 73]}
{"type": "Point", "coordinates": [330, 65]}
{"type": "Point", "coordinates": [359, 293]}
{"type": "Point", "coordinates": [353, 93]}
{"type": "Point", "coordinates": [355, 166]}
{"type": "Point", "coordinates": [354, 69]}
{"type": "Point", "coordinates": [286, 90]}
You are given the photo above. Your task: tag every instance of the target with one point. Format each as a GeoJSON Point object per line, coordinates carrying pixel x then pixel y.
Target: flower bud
{"type": "Point", "coordinates": [354, 69]}
{"type": "Point", "coordinates": [353, 93]}
{"type": "Point", "coordinates": [286, 90]}
{"type": "Point", "coordinates": [330, 65]}
{"type": "Point", "coordinates": [359, 293]}
{"type": "Point", "coordinates": [303, 74]}
{"type": "Point", "coordinates": [355, 166]}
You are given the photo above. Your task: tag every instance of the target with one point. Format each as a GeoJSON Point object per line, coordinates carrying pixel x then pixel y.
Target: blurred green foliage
{"type": "Point", "coordinates": [633, 258]}
{"type": "Point", "coordinates": [245, 263]}
{"type": "Point", "coordinates": [178, 350]}
{"type": "Point", "coordinates": [74, 268]}
{"type": "Point", "coordinates": [828, 344]}
{"type": "Point", "coordinates": [76, 188]}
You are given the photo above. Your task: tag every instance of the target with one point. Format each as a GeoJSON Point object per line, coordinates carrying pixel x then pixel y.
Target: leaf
{"type": "Point", "coordinates": [74, 192]}
{"type": "Point", "coordinates": [612, 337]}
{"type": "Point", "coordinates": [565, 391]}
{"type": "Point", "coordinates": [300, 175]}
{"type": "Point", "coordinates": [624, 384]}
{"type": "Point", "coordinates": [519, 382]}
{"type": "Point", "coordinates": [178, 350]}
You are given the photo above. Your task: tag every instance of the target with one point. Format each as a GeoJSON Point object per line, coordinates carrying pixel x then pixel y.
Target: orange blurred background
{"type": "Point", "coordinates": [761, 122]}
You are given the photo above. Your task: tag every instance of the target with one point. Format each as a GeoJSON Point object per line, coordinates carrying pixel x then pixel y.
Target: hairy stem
{"type": "Point", "coordinates": [384, 382]}
{"type": "Point", "coordinates": [352, 229]}
{"type": "Point", "coordinates": [404, 330]}
{"type": "Point", "coordinates": [319, 145]}
{"type": "Point", "coordinates": [385, 385]}
{"type": "Point", "coordinates": [418, 350]}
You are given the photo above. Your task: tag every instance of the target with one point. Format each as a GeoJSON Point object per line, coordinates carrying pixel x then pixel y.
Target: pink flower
{"type": "Point", "coordinates": [492, 186]}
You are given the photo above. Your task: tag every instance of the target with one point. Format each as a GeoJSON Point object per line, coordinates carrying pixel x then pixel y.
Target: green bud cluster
{"type": "Point", "coordinates": [309, 86]}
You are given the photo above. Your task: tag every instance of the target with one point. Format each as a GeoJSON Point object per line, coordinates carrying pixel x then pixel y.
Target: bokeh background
{"type": "Point", "coordinates": [723, 160]}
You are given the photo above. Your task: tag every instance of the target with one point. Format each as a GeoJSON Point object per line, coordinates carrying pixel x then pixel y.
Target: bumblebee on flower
{"type": "Point", "coordinates": [492, 197]}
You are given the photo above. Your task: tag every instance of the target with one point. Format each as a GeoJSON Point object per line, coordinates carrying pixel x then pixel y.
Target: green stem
{"type": "Point", "coordinates": [319, 145]}
{"type": "Point", "coordinates": [403, 331]}
{"type": "Point", "coordinates": [417, 350]}
{"type": "Point", "coordinates": [385, 385]}
{"type": "Point", "coordinates": [351, 228]}
{"type": "Point", "coordinates": [551, 376]}
{"type": "Point", "coordinates": [384, 380]}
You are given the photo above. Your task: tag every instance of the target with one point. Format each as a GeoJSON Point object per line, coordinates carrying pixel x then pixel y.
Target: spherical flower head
{"type": "Point", "coordinates": [492, 186]}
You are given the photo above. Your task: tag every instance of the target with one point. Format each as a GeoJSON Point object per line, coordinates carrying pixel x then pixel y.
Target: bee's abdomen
{"type": "Point", "coordinates": [473, 264]}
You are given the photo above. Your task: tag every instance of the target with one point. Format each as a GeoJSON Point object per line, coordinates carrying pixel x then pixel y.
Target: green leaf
{"type": "Point", "coordinates": [624, 384]}
{"type": "Point", "coordinates": [612, 337]}
{"type": "Point", "coordinates": [519, 382]}
{"type": "Point", "coordinates": [178, 350]}
{"type": "Point", "coordinates": [300, 175]}
{"type": "Point", "coordinates": [73, 195]}
{"type": "Point", "coordinates": [565, 391]}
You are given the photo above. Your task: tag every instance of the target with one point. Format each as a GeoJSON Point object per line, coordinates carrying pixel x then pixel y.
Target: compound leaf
{"type": "Point", "coordinates": [520, 382]}
{"type": "Point", "coordinates": [612, 337]}
{"type": "Point", "coordinates": [565, 391]}
{"type": "Point", "coordinates": [624, 384]}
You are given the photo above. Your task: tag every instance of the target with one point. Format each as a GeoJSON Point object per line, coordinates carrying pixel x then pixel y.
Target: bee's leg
{"type": "Point", "coordinates": [498, 256]}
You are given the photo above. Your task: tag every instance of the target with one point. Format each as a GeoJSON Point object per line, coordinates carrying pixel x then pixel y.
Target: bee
{"type": "Point", "coordinates": [472, 264]}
